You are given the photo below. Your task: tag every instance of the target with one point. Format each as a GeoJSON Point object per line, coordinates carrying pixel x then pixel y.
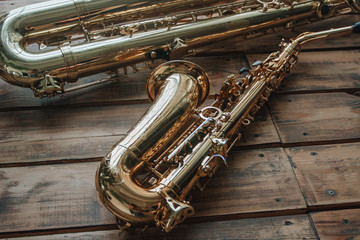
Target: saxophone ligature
{"type": "Point", "coordinates": [147, 176]}
{"type": "Point", "coordinates": [45, 45]}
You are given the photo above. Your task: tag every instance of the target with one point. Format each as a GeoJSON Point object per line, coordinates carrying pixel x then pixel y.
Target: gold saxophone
{"type": "Point", "coordinates": [147, 176]}
{"type": "Point", "coordinates": [45, 45]}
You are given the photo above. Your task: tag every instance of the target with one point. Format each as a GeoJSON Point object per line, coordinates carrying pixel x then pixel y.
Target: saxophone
{"type": "Point", "coordinates": [45, 45]}
{"type": "Point", "coordinates": [147, 176]}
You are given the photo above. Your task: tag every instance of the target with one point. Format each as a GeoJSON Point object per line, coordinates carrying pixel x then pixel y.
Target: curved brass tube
{"type": "Point", "coordinates": [81, 37]}
{"type": "Point", "coordinates": [65, 62]}
{"type": "Point", "coordinates": [180, 87]}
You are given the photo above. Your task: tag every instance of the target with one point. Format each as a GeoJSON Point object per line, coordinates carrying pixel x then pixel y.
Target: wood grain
{"type": "Point", "coordinates": [284, 227]}
{"type": "Point", "coordinates": [50, 196]}
{"type": "Point", "coordinates": [64, 195]}
{"type": "Point", "coordinates": [130, 89]}
{"type": "Point", "coordinates": [316, 117]}
{"type": "Point", "coordinates": [47, 151]}
{"type": "Point", "coordinates": [65, 123]}
{"type": "Point", "coordinates": [256, 181]}
{"type": "Point", "coordinates": [85, 133]}
{"type": "Point", "coordinates": [336, 225]}
{"type": "Point", "coordinates": [321, 71]}
{"type": "Point", "coordinates": [260, 132]}
{"type": "Point", "coordinates": [6, 6]}
{"type": "Point", "coordinates": [328, 174]}
{"type": "Point", "coordinates": [50, 147]}
{"type": "Point", "coordinates": [270, 43]}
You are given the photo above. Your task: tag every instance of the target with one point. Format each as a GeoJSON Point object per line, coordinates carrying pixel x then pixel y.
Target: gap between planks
{"type": "Point", "coordinates": [351, 91]}
{"type": "Point", "coordinates": [143, 99]}
{"type": "Point", "coordinates": [235, 149]}
{"type": "Point", "coordinates": [193, 220]}
{"type": "Point", "coordinates": [108, 227]}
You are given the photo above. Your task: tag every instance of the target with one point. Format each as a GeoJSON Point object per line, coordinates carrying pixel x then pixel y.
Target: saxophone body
{"type": "Point", "coordinates": [146, 178]}
{"type": "Point", "coordinates": [45, 45]}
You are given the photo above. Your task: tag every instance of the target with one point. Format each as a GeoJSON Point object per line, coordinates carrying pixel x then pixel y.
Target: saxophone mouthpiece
{"type": "Point", "coordinates": [356, 27]}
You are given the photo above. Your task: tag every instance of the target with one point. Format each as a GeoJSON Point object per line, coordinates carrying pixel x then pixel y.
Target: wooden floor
{"type": "Point", "coordinates": [294, 175]}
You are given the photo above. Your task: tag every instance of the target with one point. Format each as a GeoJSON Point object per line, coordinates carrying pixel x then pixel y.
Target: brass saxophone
{"type": "Point", "coordinates": [45, 45]}
{"type": "Point", "coordinates": [148, 175]}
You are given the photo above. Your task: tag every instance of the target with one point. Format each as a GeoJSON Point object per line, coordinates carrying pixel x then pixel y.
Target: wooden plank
{"type": "Point", "coordinates": [321, 71]}
{"type": "Point", "coordinates": [81, 148]}
{"type": "Point", "coordinates": [328, 174]}
{"type": "Point", "coordinates": [257, 182]}
{"type": "Point", "coordinates": [285, 227]}
{"type": "Point", "coordinates": [261, 131]}
{"type": "Point", "coordinates": [350, 41]}
{"type": "Point", "coordinates": [132, 88]}
{"type": "Point", "coordinates": [314, 72]}
{"type": "Point", "coordinates": [316, 117]}
{"type": "Point", "coordinates": [83, 133]}
{"type": "Point", "coordinates": [73, 149]}
{"type": "Point", "coordinates": [64, 133]}
{"type": "Point", "coordinates": [270, 43]}
{"type": "Point", "coordinates": [344, 224]}
{"type": "Point", "coordinates": [50, 196]}
{"type": "Point", "coordinates": [128, 89]}
{"type": "Point", "coordinates": [65, 123]}
{"type": "Point", "coordinates": [6, 6]}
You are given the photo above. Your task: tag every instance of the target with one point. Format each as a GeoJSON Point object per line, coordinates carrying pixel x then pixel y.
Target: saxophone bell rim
{"type": "Point", "coordinates": [160, 74]}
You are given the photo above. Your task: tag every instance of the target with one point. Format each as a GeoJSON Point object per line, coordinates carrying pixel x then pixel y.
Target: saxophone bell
{"type": "Point", "coordinates": [130, 180]}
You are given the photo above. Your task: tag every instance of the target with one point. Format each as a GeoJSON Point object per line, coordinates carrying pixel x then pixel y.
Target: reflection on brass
{"type": "Point", "coordinates": [45, 45]}
{"type": "Point", "coordinates": [147, 176]}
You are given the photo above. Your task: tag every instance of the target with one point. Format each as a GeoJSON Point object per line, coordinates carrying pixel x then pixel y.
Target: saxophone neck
{"type": "Point", "coordinates": [311, 36]}
{"type": "Point", "coordinates": [282, 61]}
{"type": "Point", "coordinates": [273, 69]}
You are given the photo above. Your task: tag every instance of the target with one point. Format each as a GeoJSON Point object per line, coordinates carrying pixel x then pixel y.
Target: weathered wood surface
{"type": "Point", "coordinates": [321, 72]}
{"type": "Point", "coordinates": [64, 195]}
{"type": "Point", "coordinates": [7, 5]}
{"type": "Point", "coordinates": [70, 133]}
{"type": "Point", "coordinates": [261, 177]}
{"type": "Point", "coordinates": [327, 71]}
{"type": "Point", "coordinates": [316, 117]}
{"type": "Point", "coordinates": [269, 43]}
{"type": "Point", "coordinates": [261, 132]}
{"type": "Point", "coordinates": [284, 227]}
{"type": "Point", "coordinates": [336, 225]}
{"type": "Point", "coordinates": [303, 157]}
{"type": "Point", "coordinates": [130, 89]}
{"type": "Point", "coordinates": [328, 174]}
{"type": "Point", "coordinates": [50, 196]}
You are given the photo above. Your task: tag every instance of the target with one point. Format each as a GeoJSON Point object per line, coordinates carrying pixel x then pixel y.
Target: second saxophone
{"type": "Point", "coordinates": [47, 45]}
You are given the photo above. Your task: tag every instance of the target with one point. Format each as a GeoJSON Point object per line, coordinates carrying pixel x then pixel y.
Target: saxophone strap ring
{"type": "Point", "coordinates": [210, 112]}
